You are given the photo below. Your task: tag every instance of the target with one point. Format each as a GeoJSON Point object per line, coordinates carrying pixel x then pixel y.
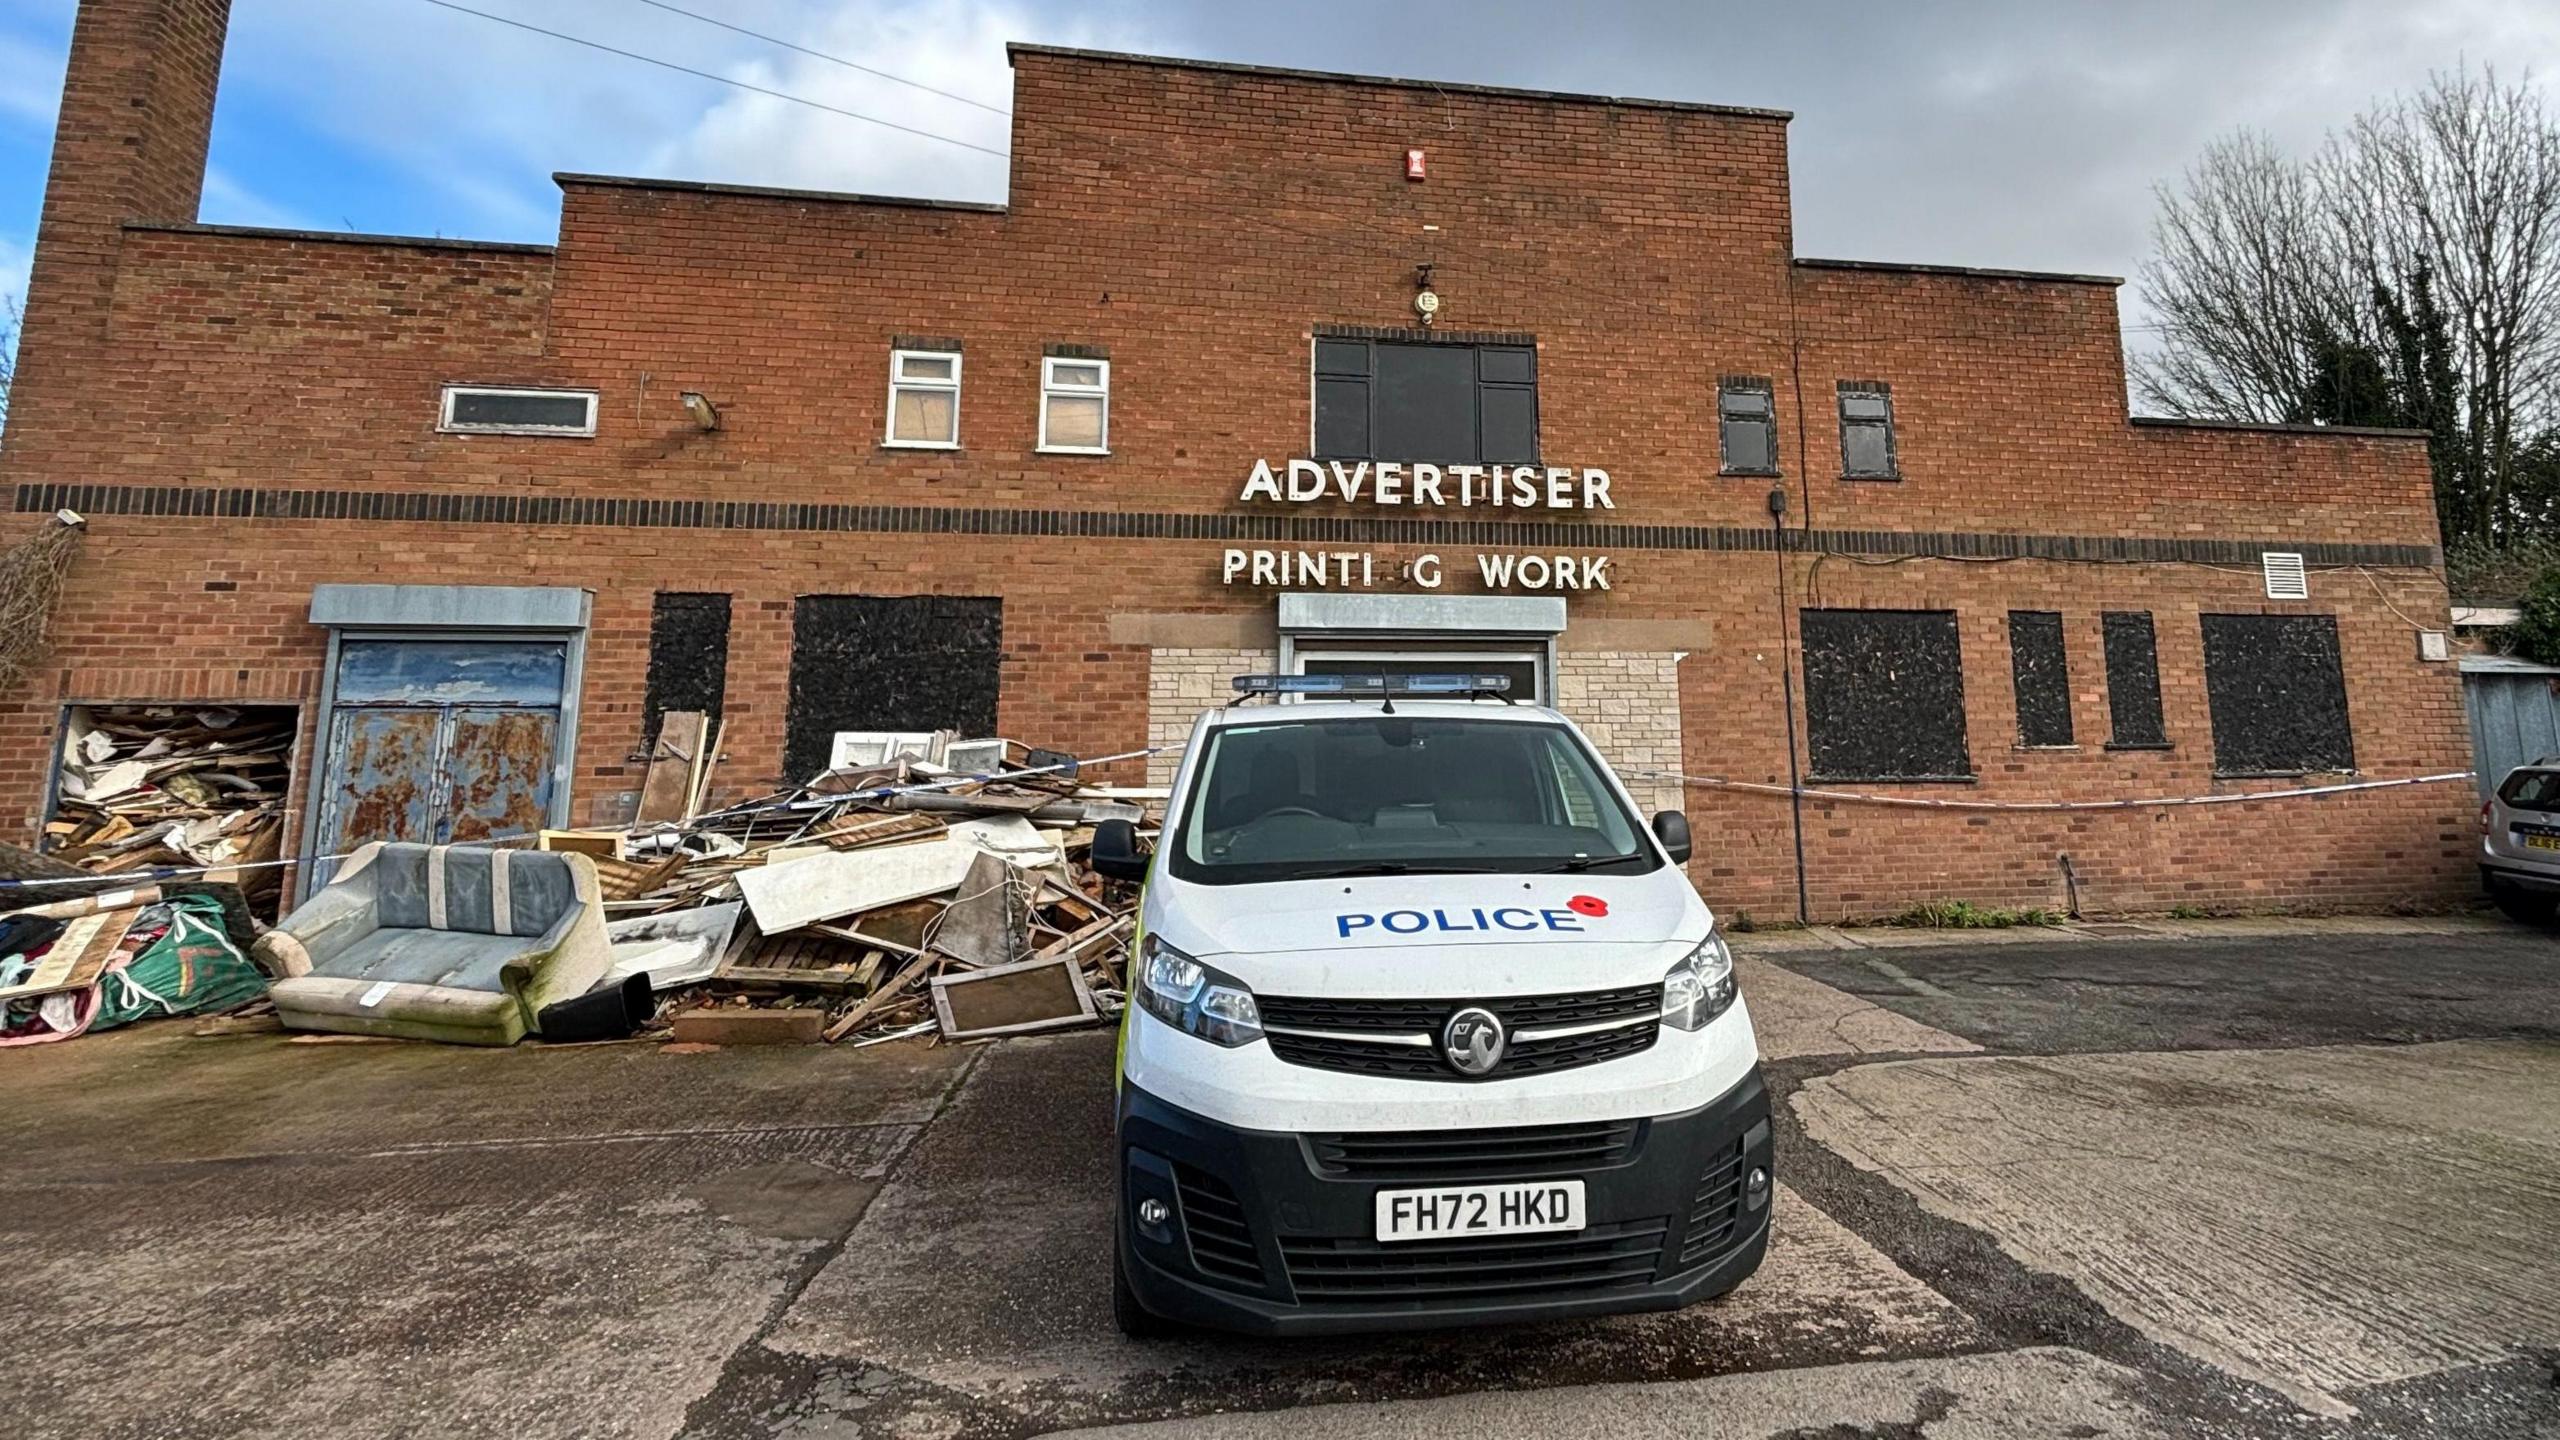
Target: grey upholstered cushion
{"type": "Point", "coordinates": [457, 960]}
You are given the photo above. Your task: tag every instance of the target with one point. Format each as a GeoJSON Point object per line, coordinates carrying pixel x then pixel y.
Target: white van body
{"type": "Point", "coordinates": [1456, 1098]}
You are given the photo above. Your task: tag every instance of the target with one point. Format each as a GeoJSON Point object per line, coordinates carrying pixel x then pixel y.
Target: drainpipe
{"type": "Point", "coordinates": [1787, 684]}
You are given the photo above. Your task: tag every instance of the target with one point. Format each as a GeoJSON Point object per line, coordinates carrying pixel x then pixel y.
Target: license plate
{"type": "Point", "coordinates": [2541, 842]}
{"type": "Point", "coordinates": [1457, 1211]}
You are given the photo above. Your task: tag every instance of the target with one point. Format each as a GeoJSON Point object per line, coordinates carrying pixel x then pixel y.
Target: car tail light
{"type": "Point", "coordinates": [2485, 807]}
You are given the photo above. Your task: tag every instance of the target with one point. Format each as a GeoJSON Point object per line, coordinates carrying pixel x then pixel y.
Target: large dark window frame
{"type": "Point", "coordinates": [1371, 399]}
{"type": "Point", "coordinates": [1884, 695]}
{"type": "Point", "coordinates": [2276, 687]}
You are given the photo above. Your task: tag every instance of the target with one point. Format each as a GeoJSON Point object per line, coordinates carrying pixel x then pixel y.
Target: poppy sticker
{"type": "Point", "coordinates": [1588, 905]}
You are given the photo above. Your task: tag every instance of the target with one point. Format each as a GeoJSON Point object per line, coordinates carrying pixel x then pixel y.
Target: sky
{"type": "Point", "coordinates": [2021, 133]}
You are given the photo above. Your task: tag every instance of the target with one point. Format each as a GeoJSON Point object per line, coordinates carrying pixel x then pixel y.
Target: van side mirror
{"type": "Point", "coordinates": [1669, 826]}
{"type": "Point", "coordinates": [1115, 853]}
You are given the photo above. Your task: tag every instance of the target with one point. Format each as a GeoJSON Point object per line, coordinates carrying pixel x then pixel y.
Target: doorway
{"type": "Point", "coordinates": [439, 741]}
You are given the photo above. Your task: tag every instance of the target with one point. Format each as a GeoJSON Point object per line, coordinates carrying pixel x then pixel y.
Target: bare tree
{"type": "Point", "coordinates": [2422, 242]}
{"type": "Point", "coordinates": [2242, 276]}
{"type": "Point", "coordinates": [2461, 181]}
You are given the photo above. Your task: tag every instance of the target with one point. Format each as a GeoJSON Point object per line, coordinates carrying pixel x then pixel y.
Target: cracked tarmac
{"type": "Point", "coordinates": [2259, 1186]}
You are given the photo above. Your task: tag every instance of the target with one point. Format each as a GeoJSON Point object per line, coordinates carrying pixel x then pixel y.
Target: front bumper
{"type": "Point", "coordinates": [1271, 1233]}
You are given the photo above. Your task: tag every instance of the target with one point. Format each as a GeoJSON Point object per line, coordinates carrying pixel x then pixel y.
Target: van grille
{"type": "Point", "coordinates": [1500, 1267]}
{"type": "Point", "coordinates": [1222, 1246]}
{"type": "Point", "coordinates": [1715, 1216]}
{"type": "Point", "coordinates": [1430, 1156]}
{"type": "Point", "coordinates": [1353, 1021]}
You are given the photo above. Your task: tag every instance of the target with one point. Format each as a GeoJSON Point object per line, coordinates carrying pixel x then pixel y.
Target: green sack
{"type": "Point", "coordinates": [192, 967]}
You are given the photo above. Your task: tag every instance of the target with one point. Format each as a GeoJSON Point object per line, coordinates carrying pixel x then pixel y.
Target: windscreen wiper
{"type": "Point", "coordinates": [1386, 867]}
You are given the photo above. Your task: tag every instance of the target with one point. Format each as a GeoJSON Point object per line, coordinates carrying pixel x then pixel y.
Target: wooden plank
{"type": "Point", "coordinates": [880, 997]}
{"type": "Point", "coordinates": [602, 844]}
{"type": "Point", "coordinates": [667, 790]}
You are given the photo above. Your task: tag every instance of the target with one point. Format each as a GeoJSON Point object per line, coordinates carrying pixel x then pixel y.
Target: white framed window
{"type": "Point", "coordinates": [924, 399]}
{"type": "Point", "coordinates": [508, 410]}
{"type": "Point", "coordinates": [1075, 405]}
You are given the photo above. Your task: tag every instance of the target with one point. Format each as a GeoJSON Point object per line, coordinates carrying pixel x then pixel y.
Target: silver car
{"type": "Point", "coordinates": [2520, 842]}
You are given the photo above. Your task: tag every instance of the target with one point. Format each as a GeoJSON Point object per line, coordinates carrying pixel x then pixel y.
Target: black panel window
{"type": "Point", "coordinates": [2041, 672]}
{"type": "Point", "coordinates": [1452, 403]}
{"type": "Point", "coordinates": [2133, 683]}
{"type": "Point", "coordinates": [2278, 694]}
{"type": "Point", "coordinates": [1866, 431]}
{"type": "Point", "coordinates": [688, 659]}
{"type": "Point", "coordinates": [1884, 695]}
{"type": "Point", "coordinates": [888, 662]}
{"type": "Point", "coordinates": [1747, 426]}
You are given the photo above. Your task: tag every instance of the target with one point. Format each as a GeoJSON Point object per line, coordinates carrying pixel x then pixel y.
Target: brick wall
{"type": "Point", "coordinates": [247, 415]}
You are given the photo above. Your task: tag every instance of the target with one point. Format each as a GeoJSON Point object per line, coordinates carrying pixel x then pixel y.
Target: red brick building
{"type": "Point", "coordinates": [995, 468]}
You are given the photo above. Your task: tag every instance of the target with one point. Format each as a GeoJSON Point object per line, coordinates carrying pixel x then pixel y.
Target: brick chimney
{"type": "Point", "coordinates": [137, 118]}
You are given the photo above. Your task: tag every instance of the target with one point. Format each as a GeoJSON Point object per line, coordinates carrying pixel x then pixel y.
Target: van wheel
{"type": "Point", "coordinates": [2524, 906]}
{"type": "Point", "coordinates": [1135, 1320]}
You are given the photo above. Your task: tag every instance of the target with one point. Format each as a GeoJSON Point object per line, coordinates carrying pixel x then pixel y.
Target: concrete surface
{"type": "Point", "coordinates": [243, 1236]}
{"type": "Point", "coordinates": [1013, 1190]}
{"type": "Point", "coordinates": [2318, 1220]}
{"type": "Point", "coordinates": [2025, 1395]}
{"type": "Point", "coordinates": [1794, 1016]}
{"type": "Point", "coordinates": [253, 1236]}
{"type": "Point", "coordinates": [2324, 989]}
{"type": "Point", "coordinates": [1807, 938]}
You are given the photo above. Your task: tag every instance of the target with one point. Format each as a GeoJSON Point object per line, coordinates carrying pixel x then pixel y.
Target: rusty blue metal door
{"type": "Point", "coordinates": [439, 741]}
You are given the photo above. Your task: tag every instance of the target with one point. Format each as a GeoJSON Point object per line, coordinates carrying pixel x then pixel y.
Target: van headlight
{"type": "Point", "coordinates": [1195, 999]}
{"type": "Point", "coordinates": [1700, 987]}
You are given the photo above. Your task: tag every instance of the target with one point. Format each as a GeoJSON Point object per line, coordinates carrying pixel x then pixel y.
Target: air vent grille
{"type": "Point", "coordinates": [2286, 579]}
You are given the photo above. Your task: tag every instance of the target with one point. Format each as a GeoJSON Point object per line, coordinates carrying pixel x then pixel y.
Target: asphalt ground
{"type": "Point", "coordinates": [2339, 1151]}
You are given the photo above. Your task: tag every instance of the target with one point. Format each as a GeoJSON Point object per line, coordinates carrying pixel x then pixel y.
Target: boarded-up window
{"type": "Point", "coordinates": [2133, 682]}
{"type": "Point", "coordinates": [2278, 694]}
{"type": "Point", "coordinates": [889, 662]}
{"type": "Point", "coordinates": [1884, 695]}
{"type": "Point", "coordinates": [2042, 675]}
{"type": "Point", "coordinates": [688, 659]}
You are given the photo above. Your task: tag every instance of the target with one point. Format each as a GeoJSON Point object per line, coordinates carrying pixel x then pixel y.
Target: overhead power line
{"type": "Point", "coordinates": [823, 55]}
{"type": "Point", "coordinates": [719, 79]}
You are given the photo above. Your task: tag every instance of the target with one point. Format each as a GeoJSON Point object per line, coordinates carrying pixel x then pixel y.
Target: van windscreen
{"type": "Point", "coordinates": [1390, 794]}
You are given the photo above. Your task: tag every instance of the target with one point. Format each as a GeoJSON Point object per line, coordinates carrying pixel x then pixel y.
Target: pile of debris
{"type": "Point", "coordinates": [894, 896]}
{"type": "Point", "coordinates": [144, 786]}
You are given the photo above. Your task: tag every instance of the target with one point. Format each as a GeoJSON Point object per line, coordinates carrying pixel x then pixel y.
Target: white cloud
{"type": "Point", "coordinates": [30, 82]}
{"type": "Point", "coordinates": [472, 116]}
{"type": "Point", "coordinates": [957, 48]}
{"type": "Point", "coordinates": [14, 260]}
{"type": "Point", "coordinates": [226, 199]}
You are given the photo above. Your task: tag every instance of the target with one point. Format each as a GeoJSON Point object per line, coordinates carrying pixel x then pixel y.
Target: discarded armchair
{"type": "Point", "coordinates": [462, 944]}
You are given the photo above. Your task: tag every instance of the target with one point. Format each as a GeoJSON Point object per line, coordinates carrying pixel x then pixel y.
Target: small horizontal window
{"type": "Point", "coordinates": [488, 410]}
{"type": "Point", "coordinates": [1075, 405]}
{"type": "Point", "coordinates": [924, 399]}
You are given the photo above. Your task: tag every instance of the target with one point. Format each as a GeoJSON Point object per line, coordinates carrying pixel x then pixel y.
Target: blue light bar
{"type": "Point", "coordinates": [1311, 684]}
{"type": "Point", "coordinates": [1369, 685]}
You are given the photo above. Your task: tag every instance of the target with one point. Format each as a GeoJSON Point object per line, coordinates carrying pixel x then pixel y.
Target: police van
{"type": "Point", "coordinates": [1426, 1027]}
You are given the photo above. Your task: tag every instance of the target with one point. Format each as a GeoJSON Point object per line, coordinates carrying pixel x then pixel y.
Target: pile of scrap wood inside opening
{"type": "Point", "coordinates": [873, 908]}
{"type": "Point", "coordinates": [174, 785]}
